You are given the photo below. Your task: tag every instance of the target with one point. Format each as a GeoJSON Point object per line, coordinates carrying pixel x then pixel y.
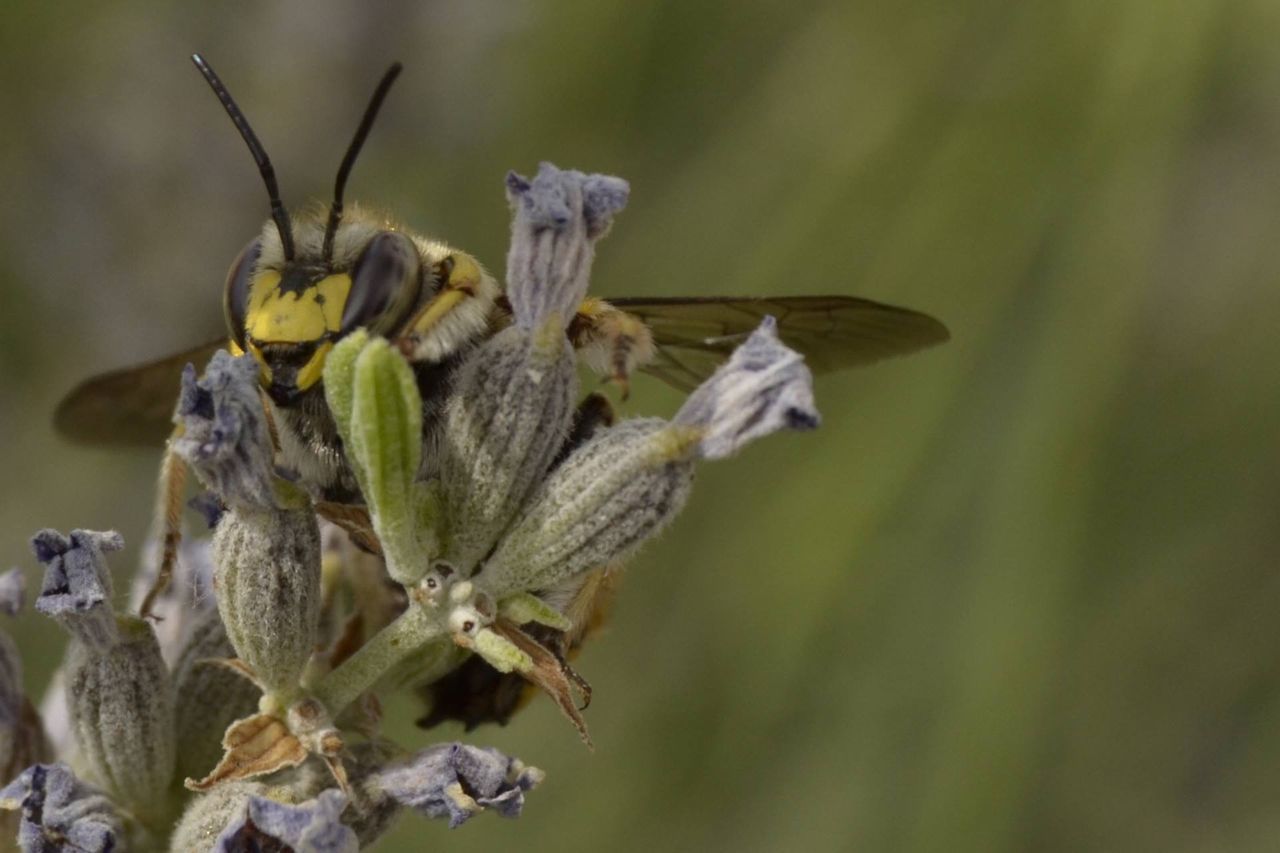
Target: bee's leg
{"type": "Point", "coordinates": [273, 431]}
{"type": "Point", "coordinates": [457, 314]}
{"type": "Point", "coordinates": [168, 523]}
{"type": "Point", "coordinates": [593, 413]}
{"type": "Point", "coordinates": [589, 608]}
{"type": "Point", "coordinates": [611, 341]}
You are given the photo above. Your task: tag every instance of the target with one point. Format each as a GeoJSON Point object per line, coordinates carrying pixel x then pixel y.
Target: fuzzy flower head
{"type": "Point", "coordinates": [518, 508]}
{"type": "Point", "coordinates": [476, 518]}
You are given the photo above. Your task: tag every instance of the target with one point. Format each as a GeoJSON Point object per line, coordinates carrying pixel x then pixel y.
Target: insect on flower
{"type": "Point", "coordinates": [309, 280]}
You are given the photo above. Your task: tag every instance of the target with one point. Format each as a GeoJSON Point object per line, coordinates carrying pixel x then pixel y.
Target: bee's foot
{"type": "Point", "coordinates": [622, 381]}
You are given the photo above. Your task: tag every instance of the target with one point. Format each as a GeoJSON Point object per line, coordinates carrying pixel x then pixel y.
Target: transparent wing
{"type": "Point", "coordinates": [695, 335]}
{"type": "Point", "coordinates": [129, 407]}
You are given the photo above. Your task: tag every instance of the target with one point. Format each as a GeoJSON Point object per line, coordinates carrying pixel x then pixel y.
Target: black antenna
{"type": "Point", "coordinates": [357, 141]}
{"type": "Point", "coordinates": [255, 148]}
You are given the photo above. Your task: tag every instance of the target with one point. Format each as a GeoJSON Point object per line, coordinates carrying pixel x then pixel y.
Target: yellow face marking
{"type": "Point", "coordinates": [313, 370]}
{"type": "Point", "coordinates": [302, 317]}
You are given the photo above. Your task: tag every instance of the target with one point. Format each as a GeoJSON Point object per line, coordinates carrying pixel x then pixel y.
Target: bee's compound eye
{"type": "Point", "coordinates": [384, 284]}
{"type": "Point", "coordinates": [235, 299]}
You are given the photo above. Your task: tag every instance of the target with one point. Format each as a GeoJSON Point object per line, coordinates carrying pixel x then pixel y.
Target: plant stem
{"type": "Point", "coordinates": [407, 635]}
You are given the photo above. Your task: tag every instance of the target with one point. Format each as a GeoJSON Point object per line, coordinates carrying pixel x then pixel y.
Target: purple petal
{"type": "Point", "coordinates": [61, 814]}
{"type": "Point", "coordinates": [225, 435]}
{"type": "Point", "coordinates": [762, 388]}
{"type": "Point", "coordinates": [76, 590]}
{"type": "Point", "coordinates": [557, 217]}
{"type": "Point", "coordinates": [314, 826]}
{"type": "Point", "coordinates": [456, 781]}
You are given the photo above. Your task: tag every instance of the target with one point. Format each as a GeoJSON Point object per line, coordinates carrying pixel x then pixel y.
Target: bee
{"type": "Point", "coordinates": [307, 280]}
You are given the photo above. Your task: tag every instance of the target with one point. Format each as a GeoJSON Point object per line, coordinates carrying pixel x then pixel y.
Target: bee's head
{"type": "Point", "coordinates": [289, 312]}
{"type": "Point", "coordinates": [297, 288]}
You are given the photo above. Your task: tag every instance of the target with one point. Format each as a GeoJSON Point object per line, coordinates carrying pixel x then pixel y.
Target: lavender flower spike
{"type": "Point", "coordinates": [77, 584]}
{"type": "Point", "coordinates": [456, 781]}
{"type": "Point", "coordinates": [558, 216]}
{"type": "Point", "coordinates": [61, 813]}
{"type": "Point", "coordinates": [765, 386]}
{"type": "Point", "coordinates": [309, 827]}
{"type": "Point", "coordinates": [225, 436]}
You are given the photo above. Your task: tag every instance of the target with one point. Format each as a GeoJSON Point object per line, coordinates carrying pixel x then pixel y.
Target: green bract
{"type": "Point", "coordinates": [378, 411]}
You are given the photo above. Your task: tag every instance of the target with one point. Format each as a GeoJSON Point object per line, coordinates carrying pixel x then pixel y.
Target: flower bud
{"type": "Point", "coordinates": [54, 804]}
{"type": "Point", "coordinates": [513, 401]}
{"type": "Point", "coordinates": [558, 216]}
{"type": "Point", "coordinates": [267, 576]}
{"type": "Point", "coordinates": [121, 705]}
{"type": "Point", "coordinates": [608, 497]}
{"type": "Point", "coordinates": [508, 416]}
{"type": "Point", "coordinates": [209, 697]}
{"type": "Point", "coordinates": [118, 693]}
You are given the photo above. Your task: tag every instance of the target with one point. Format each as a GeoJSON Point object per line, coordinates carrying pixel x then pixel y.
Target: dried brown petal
{"type": "Point", "coordinates": [255, 746]}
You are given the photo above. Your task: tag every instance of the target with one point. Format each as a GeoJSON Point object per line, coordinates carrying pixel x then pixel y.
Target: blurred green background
{"type": "Point", "coordinates": [1019, 592]}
